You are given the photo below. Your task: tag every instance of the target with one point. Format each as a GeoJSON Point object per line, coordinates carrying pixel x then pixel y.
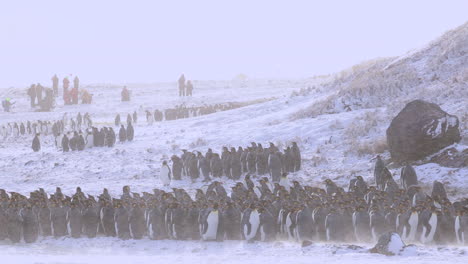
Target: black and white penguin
{"type": "Point", "coordinates": [107, 218]}
{"type": "Point", "coordinates": [75, 220]}
{"type": "Point", "coordinates": [361, 223]}
{"type": "Point", "coordinates": [14, 223]}
{"type": "Point", "coordinates": [156, 222]}
{"type": "Point", "coordinates": [89, 138]}
{"type": "Point", "coordinates": [461, 227]}
{"type": "Point", "coordinates": [216, 166]}
{"type": "Point", "coordinates": [430, 226]}
{"type": "Point", "coordinates": [58, 141]}
{"type": "Point", "coordinates": [137, 221]}
{"type": "Point", "coordinates": [296, 154]}
{"type": "Point", "coordinates": [250, 223]}
{"type": "Point", "coordinates": [212, 226]}
{"type": "Point", "coordinates": [438, 191]}
{"type": "Point", "coordinates": [334, 226]}
{"type": "Point", "coordinates": [274, 167]}
{"type": "Point", "coordinates": [413, 223]}
{"type": "Point", "coordinates": [135, 117]}
{"type": "Point", "coordinates": [80, 144]}
{"type": "Point", "coordinates": [45, 222]}
{"type": "Point", "coordinates": [305, 228]}
{"type": "Point", "coordinates": [130, 132]}
{"type": "Point", "coordinates": [30, 224]}
{"type": "Point", "coordinates": [165, 174]}
{"type": "Point", "coordinates": [232, 222]}
{"type": "Point", "coordinates": [377, 223]}
{"type": "Point", "coordinates": [65, 143]}
{"type": "Point", "coordinates": [408, 177]}
{"type": "Point", "coordinates": [378, 168]}
{"type": "Point", "coordinates": [117, 120]}
{"type": "Point", "coordinates": [122, 221]}
{"type": "Point", "coordinates": [149, 118]}
{"type": "Point", "coordinates": [58, 216]}
{"type": "Point", "coordinates": [284, 181]}
{"type": "Point", "coordinates": [36, 144]}
{"type": "Point", "coordinates": [90, 219]}
{"type": "Point", "coordinates": [122, 134]}
{"type": "Point", "coordinates": [177, 167]}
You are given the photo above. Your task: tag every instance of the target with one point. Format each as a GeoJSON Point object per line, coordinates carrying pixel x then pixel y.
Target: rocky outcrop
{"type": "Point", "coordinates": [421, 129]}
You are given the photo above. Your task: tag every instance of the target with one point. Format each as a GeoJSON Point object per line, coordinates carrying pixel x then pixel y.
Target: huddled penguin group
{"type": "Point", "coordinates": [233, 163]}
{"type": "Point", "coordinates": [183, 111]}
{"type": "Point", "coordinates": [253, 209]}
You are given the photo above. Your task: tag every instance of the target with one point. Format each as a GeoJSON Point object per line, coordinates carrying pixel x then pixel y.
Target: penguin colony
{"type": "Point", "coordinates": [55, 128]}
{"type": "Point", "coordinates": [234, 163]}
{"type": "Point", "coordinates": [251, 211]}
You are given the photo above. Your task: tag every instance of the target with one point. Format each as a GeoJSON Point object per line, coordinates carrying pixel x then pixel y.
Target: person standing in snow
{"type": "Point", "coordinates": [55, 81]}
{"type": "Point", "coordinates": [182, 85]}
{"type": "Point", "coordinates": [36, 144]}
{"type": "Point", "coordinates": [130, 132]}
{"type": "Point", "coordinates": [165, 174]}
{"type": "Point", "coordinates": [189, 88]}
{"type": "Point", "coordinates": [32, 94]}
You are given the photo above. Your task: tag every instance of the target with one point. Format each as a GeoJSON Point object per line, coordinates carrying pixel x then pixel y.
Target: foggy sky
{"type": "Point", "coordinates": [150, 41]}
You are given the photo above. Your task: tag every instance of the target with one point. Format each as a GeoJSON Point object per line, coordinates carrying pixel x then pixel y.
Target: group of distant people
{"type": "Point", "coordinates": [42, 97]}
{"type": "Point", "coordinates": [185, 88]}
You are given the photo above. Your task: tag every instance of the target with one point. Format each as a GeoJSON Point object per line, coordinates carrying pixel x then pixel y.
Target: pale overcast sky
{"type": "Point", "coordinates": [150, 41]}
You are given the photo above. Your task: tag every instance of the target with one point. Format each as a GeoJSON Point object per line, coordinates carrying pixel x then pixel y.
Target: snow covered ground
{"type": "Point", "coordinates": [107, 250]}
{"type": "Point", "coordinates": [335, 144]}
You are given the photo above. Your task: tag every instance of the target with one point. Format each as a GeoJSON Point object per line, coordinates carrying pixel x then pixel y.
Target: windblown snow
{"type": "Point", "coordinates": [338, 121]}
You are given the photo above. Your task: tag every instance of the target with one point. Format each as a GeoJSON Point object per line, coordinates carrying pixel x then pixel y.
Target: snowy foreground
{"type": "Point", "coordinates": [107, 250]}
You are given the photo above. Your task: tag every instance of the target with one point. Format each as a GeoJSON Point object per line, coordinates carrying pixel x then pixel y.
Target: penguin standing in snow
{"type": "Point", "coordinates": [361, 223]}
{"type": "Point", "coordinates": [30, 224]}
{"type": "Point", "coordinates": [212, 226]}
{"type": "Point", "coordinates": [66, 143]}
{"type": "Point", "coordinates": [250, 223]}
{"type": "Point", "coordinates": [137, 221]}
{"type": "Point", "coordinates": [232, 222]}
{"type": "Point", "coordinates": [274, 167]}
{"type": "Point", "coordinates": [149, 118]}
{"type": "Point", "coordinates": [121, 219]}
{"type": "Point", "coordinates": [267, 227]}
{"type": "Point", "coordinates": [284, 181]}
{"type": "Point", "coordinates": [130, 132]}
{"type": "Point", "coordinates": [165, 174]}
{"type": "Point", "coordinates": [89, 138]}
{"type": "Point", "coordinates": [36, 144]}
{"type": "Point", "coordinates": [408, 177]}
{"type": "Point", "coordinates": [75, 220]}
{"type": "Point", "coordinates": [58, 141]}
{"type": "Point", "coordinates": [107, 218]}
{"type": "Point", "coordinates": [122, 134]}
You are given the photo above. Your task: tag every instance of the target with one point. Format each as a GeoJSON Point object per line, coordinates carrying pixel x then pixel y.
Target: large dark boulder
{"type": "Point", "coordinates": [421, 129]}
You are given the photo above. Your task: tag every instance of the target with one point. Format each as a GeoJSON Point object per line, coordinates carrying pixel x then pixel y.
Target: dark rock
{"type": "Point", "coordinates": [451, 158]}
{"type": "Point", "coordinates": [421, 129]}
{"type": "Point", "coordinates": [306, 243]}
